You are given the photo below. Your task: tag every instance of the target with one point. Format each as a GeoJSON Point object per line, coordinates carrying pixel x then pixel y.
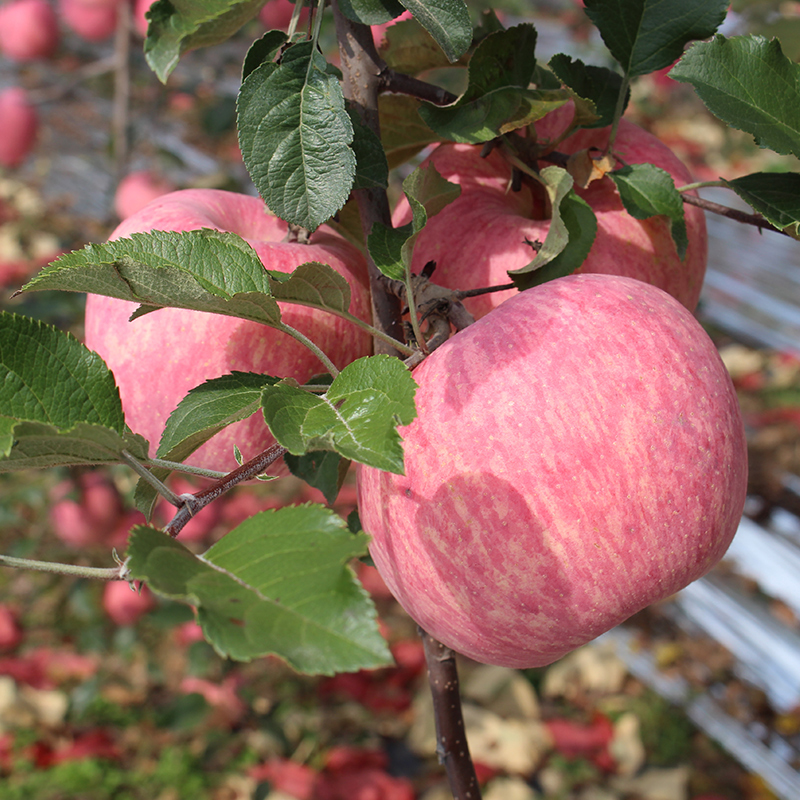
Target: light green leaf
{"type": "Point", "coordinates": [403, 133]}
{"type": "Point", "coordinates": [749, 84]}
{"type": "Point", "coordinates": [278, 584]}
{"type": "Point", "coordinates": [647, 35]}
{"type": "Point", "coordinates": [296, 137]}
{"type": "Point", "coordinates": [647, 191]}
{"type": "Point", "coordinates": [410, 49]}
{"type": "Point", "coordinates": [357, 417]}
{"type": "Point", "coordinates": [177, 26]}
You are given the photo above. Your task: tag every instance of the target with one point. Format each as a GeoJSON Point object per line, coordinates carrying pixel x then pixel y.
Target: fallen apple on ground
{"type": "Point", "coordinates": [159, 357]}
{"type": "Point", "coordinates": [489, 229]}
{"type": "Point", "coordinates": [578, 454]}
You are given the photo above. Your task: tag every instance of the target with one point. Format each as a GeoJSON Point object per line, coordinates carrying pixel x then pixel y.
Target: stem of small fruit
{"type": "Point", "coordinates": [451, 736]}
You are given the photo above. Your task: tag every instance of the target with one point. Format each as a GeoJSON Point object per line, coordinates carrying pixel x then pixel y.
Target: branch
{"type": "Point", "coordinates": [451, 736]}
{"type": "Point", "coordinates": [361, 69]}
{"type": "Point", "coordinates": [732, 213]}
{"type": "Point", "coordinates": [400, 83]}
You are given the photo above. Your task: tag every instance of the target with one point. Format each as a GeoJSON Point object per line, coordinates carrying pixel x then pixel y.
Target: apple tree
{"type": "Point", "coordinates": [321, 134]}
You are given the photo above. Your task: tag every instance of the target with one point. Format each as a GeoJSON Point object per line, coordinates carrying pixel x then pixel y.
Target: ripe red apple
{"type": "Point", "coordinates": [91, 518]}
{"type": "Point", "coordinates": [125, 605]}
{"type": "Point", "coordinates": [138, 189]}
{"type": "Point", "coordinates": [158, 358]}
{"type": "Point", "coordinates": [579, 454]}
{"type": "Point", "coordinates": [28, 30]}
{"type": "Point", "coordinates": [482, 234]}
{"type": "Point", "coordinates": [93, 20]}
{"type": "Point", "coordinates": [20, 125]}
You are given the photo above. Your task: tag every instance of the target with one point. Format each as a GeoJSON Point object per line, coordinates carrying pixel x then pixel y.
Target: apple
{"type": "Point", "coordinates": [10, 629]}
{"type": "Point", "coordinates": [125, 604]}
{"type": "Point", "coordinates": [136, 190]}
{"type": "Point", "coordinates": [487, 231]}
{"type": "Point", "coordinates": [140, 22]}
{"type": "Point", "coordinates": [20, 125]}
{"type": "Point", "coordinates": [578, 454]}
{"type": "Point", "coordinates": [277, 14]}
{"type": "Point", "coordinates": [93, 20]}
{"type": "Point", "coordinates": [93, 517]}
{"type": "Point", "coordinates": [28, 30]}
{"type": "Point", "coordinates": [159, 357]}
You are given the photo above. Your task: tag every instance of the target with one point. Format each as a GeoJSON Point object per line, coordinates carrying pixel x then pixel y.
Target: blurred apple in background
{"type": "Point", "coordinates": [93, 20]}
{"type": "Point", "coordinates": [138, 189]}
{"type": "Point", "coordinates": [28, 30]}
{"type": "Point", "coordinates": [20, 123]}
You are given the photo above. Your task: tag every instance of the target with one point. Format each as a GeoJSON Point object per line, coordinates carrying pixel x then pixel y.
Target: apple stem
{"type": "Point", "coordinates": [451, 736]}
{"type": "Point", "coordinates": [98, 573]}
{"type": "Point", "coordinates": [623, 93]}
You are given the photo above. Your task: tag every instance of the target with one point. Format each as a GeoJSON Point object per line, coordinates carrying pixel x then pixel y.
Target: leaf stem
{"type": "Point", "coordinates": [623, 92]}
{"type": "Point", "coordinates": [98, 573]}
{"type": "Point", "coordinates": [177, 466]}
{"type": "Point", "coordinates": [144, 473]}
{"type": "Point", "coordinates": [690, 187]}
{"type": "Point", "coordinates": [303, 339]}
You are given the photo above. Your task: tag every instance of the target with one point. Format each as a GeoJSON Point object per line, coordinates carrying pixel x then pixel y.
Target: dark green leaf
{"type": "Point", "coordinates": [599, 85]}
{"type": "Point", "coordinates": [279, 584]}
{"type": "Point", "coordinates": [322, 469]}
{"type": "Point", "coordinates": [372, 169]}
{"type": "Point", "coordinates": [447, 21]}
{"type": "Point", "coordinates": [177, 26]}
{"type": "Point", "coordinates": [263, 51]}
{"type": "Point", "coordinates": [295, 135]}
{"type": "Point", "coordinates": [371, 12]}
{"type": "Point", "coordinates": [59, 403]}
{"type": "Point", "coordinates": [356, 418]}
{"type": "Point", "coordinates": [569, 238]}
{"type": "Point", "coordinates": [750, 85]}
{"type": "Point", "coordinates": [312, 284]}
{"type": "Point", "coordinates": [205, 270]}
{"type": "Point", "coordinates": [647, 35]}
{"type": "Point", "coordinates": [776, 195]}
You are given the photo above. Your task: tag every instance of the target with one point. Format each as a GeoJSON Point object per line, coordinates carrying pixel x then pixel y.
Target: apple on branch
{"type": "Point", "coordinates": [28, 30]}
{"type": "Point", "coordinates": [578, 454]}
{"type": "Point", "coordinates": [159, 357]}
{"type": "Point", "coordinates": [93, 20]}
{"type": "Point", "coordinates": [490, 229]}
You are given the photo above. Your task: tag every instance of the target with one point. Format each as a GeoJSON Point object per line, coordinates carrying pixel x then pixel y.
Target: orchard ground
{"type": "Point", "coordinates": [96, 707]}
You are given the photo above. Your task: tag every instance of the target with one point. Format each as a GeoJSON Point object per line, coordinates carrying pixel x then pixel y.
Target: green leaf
{"type": "Point", "coordinates": [647, 191]}
{"type": "Point", "coordinates": [749, 84]}
{"type": "Point", "coordinates": [205, 270]}
{"type": "Point", "coordinates": [497, 99]}
{"type": "Point", "coordinates": [177, 26]}
{"type": "Point", "coordinates": [208, 408]}
{"type": "Point", "coordinates": [647, 35]}
{"type": "Point", "coordinates": [569, 238]}
{"type": "Point", "coordinates": [371, 12]}
{"type": "Point", "coordinates": [59, 403]}
{"type": "Point", "coordinates": [322, 469]}
{"type": "Point", "coordinates": [428, 193]}
{"type": "Point", "coordinates": [278, 584]}
{"type": "Point", "coordinates": [403, 133]}
{"type": "Point", "coordinates": [357, 417]}
{"type": "Point", "coordinates": [312, 284]}
{"type": "Point", "coordinates": [598, 85]}
{"type": "Point", "coordinates": [776, 195]}
{"type": "Point", "coordinates": [372, 169]}
{"type": "Point", "coordinates": [263, 51]}
{"type": "Point", "coordinates": [295, 136]}
{"type": "Point", "coordinates": [447, 21]}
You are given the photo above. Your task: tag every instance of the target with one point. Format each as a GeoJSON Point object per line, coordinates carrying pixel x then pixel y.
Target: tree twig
{"type": "Point", "coordinates": [400, 83]}
{"type": "Point", "coordinates": [732, 213]}
{"type": "Point", "coordinates": [451, 736]}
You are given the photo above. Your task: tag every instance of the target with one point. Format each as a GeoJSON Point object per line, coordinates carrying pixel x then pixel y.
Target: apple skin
{"type": "Point", "coordinates": [28, 30]}
{"type": "Point", "coordinates": [124, 605]}
{"type": "Point", "coordinates": [277, 14]}
{"type": "Point", "coordinates": [92, 20]}
{"type": "Point", "coordinates": [579, 454]}
{"type": "Point", "coordinates": [477, 238]}
{"type": "Point", "coordinates": [159, 357]}
{"type": "Point", "coordinates": [20, 126]}
{"type": "Point", "coordinates": [136, 190]}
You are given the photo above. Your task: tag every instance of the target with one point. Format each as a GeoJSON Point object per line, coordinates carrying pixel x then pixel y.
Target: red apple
{"type": "Point", "coordinates": [156, 359]}
{"type": "Point", "coordinates": [124, 604]}
{"type": "Point", "coordinates": [28, 30]}
{"type": "Point", "coordinates": [579, 454]}
{"type": "Point", "coordinates": [93, 517]}
{"type": "Point", "coordinates": [136, 190]}
{"type": "Point", "coordinates": [10, 629]}
{"type": "Point", "coordinates": [20, 125]}
{"type": "Point", "coordinates": [379, 31]}
{"type": "Point", "coordinates": [277, 14]}
{"type": "Point", "coordinates": [488, 229]}
{"type": "Point", "coordinates": [93, 20]}
{"type": "Point", "coordinates": [140, 8]}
